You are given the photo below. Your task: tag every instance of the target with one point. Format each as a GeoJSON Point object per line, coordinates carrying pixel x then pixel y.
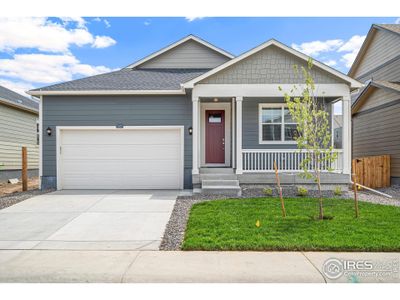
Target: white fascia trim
{"type": "Point", "coordinates": [354, 83]}
{"type": "Point", "coordinates": [267, 90]}
{"type": "Point", "coordinates": [19, 106]}
{"type": "Point", "coordinates": [107, 92]}
{"type": "Point", "coordinates": [189, 37]}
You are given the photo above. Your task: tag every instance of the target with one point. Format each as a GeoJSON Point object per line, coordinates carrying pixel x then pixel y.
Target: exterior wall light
{"type": "Point", "coordinates": [190, 129]}
{"type": "Point", "coordinates": [215, 99]}
{"type": "Point", "coordinates": [48, 130]}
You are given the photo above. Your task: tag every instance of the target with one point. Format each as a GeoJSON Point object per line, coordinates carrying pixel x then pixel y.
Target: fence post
{"type": "Point", "coordinates": [24, 169]}
{"type": "Point", "coordinates": [355, 194]}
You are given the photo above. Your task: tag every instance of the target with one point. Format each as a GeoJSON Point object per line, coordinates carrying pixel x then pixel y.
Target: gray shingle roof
{"type": "Point", "coordinates": [130, 79]}
{"type": "Point", "coordinates": [14, 98]}
{"type": "Point", "coordinates": [391, 27]}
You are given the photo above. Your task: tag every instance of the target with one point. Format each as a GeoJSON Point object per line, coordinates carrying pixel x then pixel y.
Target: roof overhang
{"type": "Point", "coordinates": [106, 92]}
{"type": "Point", "coordinates": [181, 41]}
{"type": "Point", "coordinates": [354, 84]}
{"type": "Point", "coordinates": [19, 106]}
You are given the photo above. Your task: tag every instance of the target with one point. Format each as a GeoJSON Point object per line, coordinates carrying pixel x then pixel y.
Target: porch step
{"type": "Point", "coordinates": [222, 190]}
{"type": "Point", "coordinates": [208, 183]}
{"type": "Point", "coordinates": [219, 185]}
{"type": "Point", "coordinates": [218, 177]}
{"type": "Point", "coordinates": [216, 171]}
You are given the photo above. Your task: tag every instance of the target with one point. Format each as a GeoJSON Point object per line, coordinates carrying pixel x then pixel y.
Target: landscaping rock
{"type": "Point", "coordinates": [11, 199]}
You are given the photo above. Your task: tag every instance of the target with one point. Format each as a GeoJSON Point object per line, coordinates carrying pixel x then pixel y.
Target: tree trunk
{"type": "Point", "coordinates": [318, 173]}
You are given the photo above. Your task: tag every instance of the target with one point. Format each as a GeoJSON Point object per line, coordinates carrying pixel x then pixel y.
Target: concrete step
{"type": "Point", "coordinates": [206, 183]}
{"type": "Point", "coordinates": [216, 171]}
{"type": "Point", "coordinates": [218, 177]}
{"type": "Point", "coordinates": [222, 190]}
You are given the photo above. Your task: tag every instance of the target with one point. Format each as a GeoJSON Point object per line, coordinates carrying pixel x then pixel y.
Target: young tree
{"type": "Point", "coordinates": [313, 135]}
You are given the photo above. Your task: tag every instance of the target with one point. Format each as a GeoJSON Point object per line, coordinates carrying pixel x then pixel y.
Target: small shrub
{"type": "Point", "coordinates": [302, 191]}
{"type": "Point", "coordinates": [337, 191]}
{"type": "Point", "coordinates": [267, 192]}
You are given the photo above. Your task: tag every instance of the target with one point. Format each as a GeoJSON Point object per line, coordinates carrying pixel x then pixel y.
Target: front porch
{"type": "Point", "coordinates": [246, 155]}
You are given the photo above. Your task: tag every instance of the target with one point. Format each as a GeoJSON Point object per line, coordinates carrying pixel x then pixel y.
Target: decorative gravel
{"type": "Point", "coordinates": [11, 199]}
{"type": "Point", "coordinates": [175, 230]}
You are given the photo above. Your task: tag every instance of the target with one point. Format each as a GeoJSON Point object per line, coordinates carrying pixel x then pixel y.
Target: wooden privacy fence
{"type": "Point", "coordinates": [372, 171]}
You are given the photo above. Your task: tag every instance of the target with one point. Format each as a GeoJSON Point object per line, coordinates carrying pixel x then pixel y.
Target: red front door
{"type": "Point", "coordinates": [215, 136]}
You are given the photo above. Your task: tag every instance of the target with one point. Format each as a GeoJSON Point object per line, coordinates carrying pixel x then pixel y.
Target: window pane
{"type": "Point", "coordinates": [291, 132]}
{"type": "Point", "coordinates": [271, 132]}
{"type": "Point", "coordinates": [288, 116]}
{"type": "Point", "coordinates": [215, 118]}
{"type": "Point", "coordinates": [271, 115]}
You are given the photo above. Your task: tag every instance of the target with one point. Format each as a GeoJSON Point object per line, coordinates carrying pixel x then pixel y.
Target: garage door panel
{"type": "Point", "coordinates": [121, 166]}
{"type": "Point", "coordinates": [118, 182]}
{"type": "Point", "coordinates": [120, 151]}
{"type": "Point", "coordinates": [121, 159]}
{"type": "Point", "coordinates": [94, 137]}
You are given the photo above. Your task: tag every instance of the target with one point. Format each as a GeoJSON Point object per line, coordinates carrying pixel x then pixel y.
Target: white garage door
{"type": "Point", "coordinates": [128, 158]}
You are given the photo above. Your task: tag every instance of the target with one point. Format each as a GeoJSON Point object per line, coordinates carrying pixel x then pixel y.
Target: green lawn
{"type": "Point", "coordinates": [230, 225]}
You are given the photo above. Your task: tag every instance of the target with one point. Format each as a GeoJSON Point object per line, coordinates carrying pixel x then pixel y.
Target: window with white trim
{"type": "Point", "coordinates": [276, 124]}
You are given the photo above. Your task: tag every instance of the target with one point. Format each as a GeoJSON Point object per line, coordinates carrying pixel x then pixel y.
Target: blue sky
{"type": "Point", "coordinates": [37, 52]}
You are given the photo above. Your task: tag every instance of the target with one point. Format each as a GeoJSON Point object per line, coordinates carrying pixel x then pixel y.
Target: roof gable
{"type": "Point", "coordinates": [188, 53]}
{"type": "Point", "coordinates": [252, 55]}
{"type": "Point", "coordinates": [374, 94]}
{"type": "Point", "coordinates": [381, 44]}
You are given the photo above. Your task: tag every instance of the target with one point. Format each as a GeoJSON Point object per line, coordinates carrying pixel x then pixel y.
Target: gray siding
{"type": "Point", "coordinates": [110, 110]}
{"type": "Point", "coordinates": [377, 133]}
{"type": "Point", "coordinates": [250, 129]}
{"type": "Point", "coordinates": [17, 129]}
{"type": "Point", "coordinates": [383, 47]}
{"type": "Point", "coordinates": [271, 65]}
{"type": "Point", "coordinates": [378, 97]}
{"type": "Point", "coordinates": [388, 72]}
{"type": "Point", "coordinates": [189, 55]}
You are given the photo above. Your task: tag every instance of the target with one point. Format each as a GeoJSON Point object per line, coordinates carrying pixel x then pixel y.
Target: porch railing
{"type": "Point", "coordinates": [287, 160]}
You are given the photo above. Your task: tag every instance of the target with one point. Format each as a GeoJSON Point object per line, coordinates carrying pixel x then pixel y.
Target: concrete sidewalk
{"type": "Point", "coordinates": [163, 266]}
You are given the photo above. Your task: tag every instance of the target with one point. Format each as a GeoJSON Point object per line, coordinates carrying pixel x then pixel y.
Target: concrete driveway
{"type": "Point", "coordinates": [88, 220]}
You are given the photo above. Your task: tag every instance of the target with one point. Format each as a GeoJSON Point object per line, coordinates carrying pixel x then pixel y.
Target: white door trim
{"type": "Point", "coordinates": [59, 130]}
{"type": "Point", "coordinates": [216, 106]}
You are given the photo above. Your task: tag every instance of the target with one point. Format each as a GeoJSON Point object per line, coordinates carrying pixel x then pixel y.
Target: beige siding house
{"type": "Point", "coordinates": [18, 128]}
{"type": "Point", "coordinates": [376, 108]}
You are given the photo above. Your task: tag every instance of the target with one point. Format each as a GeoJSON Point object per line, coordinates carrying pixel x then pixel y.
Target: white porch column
{"type": "Point", "coordinates": [239, 156]}
{"type": "Point", "coordinates": [195, 135]}
{"type": "Point", "coordinates": [346, 136]}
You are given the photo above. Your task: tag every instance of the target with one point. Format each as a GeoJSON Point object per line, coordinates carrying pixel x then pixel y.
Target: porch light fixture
{"type": "Point", "coordinates": [215, 99]}
{"type": "Point", "coordinates": [48, 130]}
{"type": "Point", "coordinates": [190, 129]}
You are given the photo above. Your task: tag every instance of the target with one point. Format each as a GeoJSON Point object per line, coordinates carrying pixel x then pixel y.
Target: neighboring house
{"type": "Point", "coordinates": [18, 128]}
{"type": "Point", "coordinates": [189, 115]}
{"type": "Point", "coordinates": [376, 108]}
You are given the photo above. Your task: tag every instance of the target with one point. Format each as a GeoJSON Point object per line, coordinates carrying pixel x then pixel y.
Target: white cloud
{"type": "Point", "coordinates": [103, 42]}
{"type": "Point", "coordinates": [107, 23]}
{"type": "Point", "coordinates": [349, 58]}
{"type": "Point", "coordinates": [353, 44]}
{"type": "Point", "coordinates": [191, 19]}
{"type": "Point", "coordinates": [17, 86]}
{"type": "Point", "coordinates": [330, 63]}
{"type": "Point", "coordinates": [397, 21]}
{"type": "Point", "coordinates": [146, 23]}
{"type": "Point", "coordinates": [97, 19]}
{"type": "Point", "coordinates": [78, 21]}
{"type": "Point", "coordinates": [45, 35]}
{"type": "Point", "coordinates": [46, 68]}
{"type": "Point", "coordinates": [316, 47]}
